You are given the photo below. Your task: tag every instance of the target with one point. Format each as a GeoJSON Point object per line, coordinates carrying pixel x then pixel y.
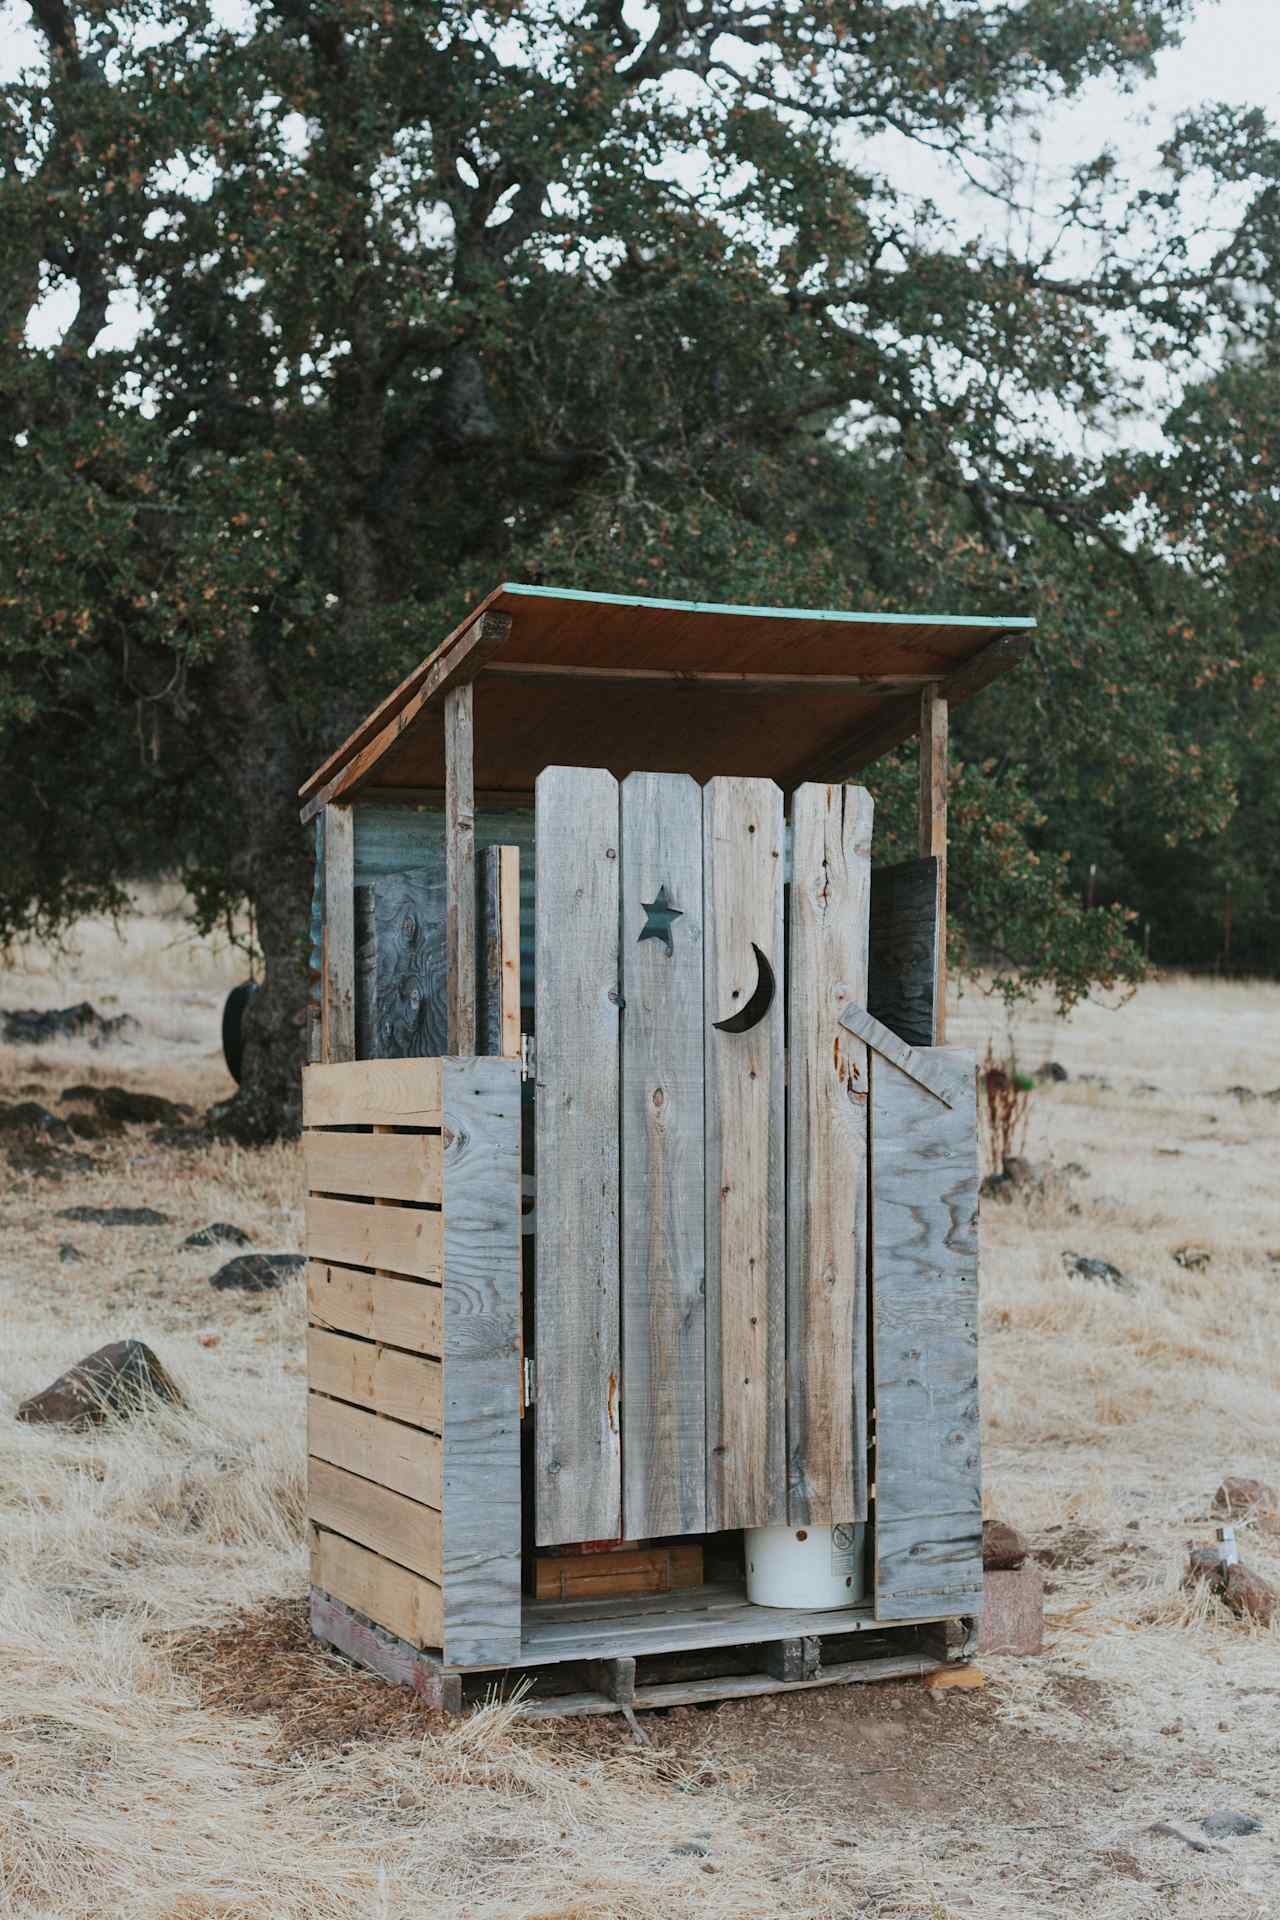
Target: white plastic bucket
{"type": "Point", "coordinates": [815, 1567]}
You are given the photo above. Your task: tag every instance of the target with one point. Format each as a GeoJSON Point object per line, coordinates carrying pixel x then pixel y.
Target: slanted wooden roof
{"type": "Point", "coordinates": [599, 679]}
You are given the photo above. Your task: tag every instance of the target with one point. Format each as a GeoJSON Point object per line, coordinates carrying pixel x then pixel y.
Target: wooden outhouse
{"type": "Point", "coordinates": [642, 1186]}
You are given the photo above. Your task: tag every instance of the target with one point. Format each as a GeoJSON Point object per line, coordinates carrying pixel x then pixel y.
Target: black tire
{"type": "Point", "coordinates": [233, 1027]}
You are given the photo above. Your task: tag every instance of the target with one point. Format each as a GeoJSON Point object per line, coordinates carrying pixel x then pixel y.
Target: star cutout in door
{"type": "Point", "coordinates": [661, 914]}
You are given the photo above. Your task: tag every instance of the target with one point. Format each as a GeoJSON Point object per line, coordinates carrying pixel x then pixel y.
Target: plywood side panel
{"type": "Point", "coordinates": [925, 1312]}
{"type": "Point", "coordinates": [405, 1240]}
{"type": "Point", "coordinates": [577, 1453]}
{"type": "Point", "coordinates": [386, 1093]}
{"type": "Point", "coordinates": [905, 926]}
{"type": "Point", "coordinates": [404, 1458]}
{"type": "Point", "coordinates": [377, 1306]}
{"type": "Point", "coordinates": [482, 1509]}
{"type": "Point", "coordinates": [389, 1595]}
{"type": "Point", "coordinates": [663, 1199]}
{"type": "Point", "coordinates": [410, 912]}
{"type": "Point", "coordinates": [376, 1517]}
{"type": "Point", "coordinates": [827, 1157]}
{"type": "Point", "coordinates": [743, 848]}
{"type": "Point", "coordinates": [384, 1166]}
{"type": "Point", "coordinates": [405, 1386]}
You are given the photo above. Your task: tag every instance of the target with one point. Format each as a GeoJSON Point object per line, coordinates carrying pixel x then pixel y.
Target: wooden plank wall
{"type": "Point", "coordinates": [374, 1346]}
{"type": "Point", "coordinates": [925, 1315]}
{"type": "Point", "coordinates": [902, 989]}
{"type": "Point", "coordinates": [578, 1459]}
{"type": "Point", "coordinates": [413, 1291]}
{"type": "Point", "coordinates": [827, 1157]}
{"type": "Point", "coordinates": [481, 1361]}
{"type": "Point", "coordinates": [743, 846]}
{"type": "Point", "coordinates": [664, 1467]}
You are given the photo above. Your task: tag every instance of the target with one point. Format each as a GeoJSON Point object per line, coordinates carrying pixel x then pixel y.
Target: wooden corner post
{"type": "Point", "coordinates": [338, 967]}
{"type": "Point", "coordinates": [460, 868]}
{"type": "Point", "coordinates": [934, 718]}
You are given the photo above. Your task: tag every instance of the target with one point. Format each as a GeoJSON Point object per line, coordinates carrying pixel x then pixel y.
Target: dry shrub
{"type": "Point", "coordinates": [1004, 1108]}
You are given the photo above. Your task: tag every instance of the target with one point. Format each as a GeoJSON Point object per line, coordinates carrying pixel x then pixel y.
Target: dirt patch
{"type": "Point", "coordinates": [265, 1661]}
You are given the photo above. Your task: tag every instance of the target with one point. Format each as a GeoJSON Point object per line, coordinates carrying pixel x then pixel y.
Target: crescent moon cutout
{"type": "Point", "coordinates": [757, 1006]}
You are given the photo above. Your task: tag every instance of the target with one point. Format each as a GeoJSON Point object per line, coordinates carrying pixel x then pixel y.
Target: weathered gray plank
{"type": "Point", "coordinates": [664, 1445]}
{"type": "Point", "coordinates": [338, 1002]}
{"type": "Point", "coordinates": [743, 848]}
{"type": "Point", "coordinates": [827, 1157]}
{"type": "Point", "coordinates": [935, 721]}
{"type": "Point", "coordinates": [412, 964]}
{"type": "Point", "coordinates": [737, 1686]}
{"type": "Point", "coordinates": [499, 944]}
{"type": "Point", "coordinates": [481, 1300]}
{"type": "Point", "coordinates": [577, 1450]}
{"type": "Point", "coordinates": [460, 867]}
{"type": "Point", "coordinates": [921, 1064]}
{"type": "Point", "coordinates": [903, 984]}
{"type": "Point", "coordinates": [924, 1312]}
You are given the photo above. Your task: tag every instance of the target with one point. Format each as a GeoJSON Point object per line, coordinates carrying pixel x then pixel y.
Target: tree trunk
{"type": "Point", "coordinates": [276, 869]}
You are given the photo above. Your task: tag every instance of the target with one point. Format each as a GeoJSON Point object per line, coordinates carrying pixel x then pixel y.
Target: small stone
{"type": "Point", "coordinates": [258, 1272]}
{"type": "Point", "coordinates": [115, 1216]}
{"type": "Point", "coordinates": [690, 1849]}
{"type": "Point", "coordinates": [28, 1116]}
{"type": "Point", "coordinates": [1084, 1267]}
{"type": "Point", "coordinates": [219, 1233]}
{"type": "Point", "coordinates": [1002, 1546]}
{"type": "Point", "coordinates": [1241, 1591]}
{"type": "Point", "coordinates": [1239, 1498]}
{"type": "Point", "coordinates": [1192, 1258]}
{"type": "Point", "coordinates": [47, 1162]}
{"type": "Point", "coordinates": [118, 1378]}
{"type": "Point", "coordinates": [1248, 1595]}
{"type": "Point", "coordinates": [1052, 1070]}
{"type": "Point", "coordinates": [208, 1339]}
{"type": "Point", "coordinates": [1229, 1825]}
{"type": "Point", "coordinates": [1243, 1094]}
{"type": "Point", "coordinates": [68, 1255]}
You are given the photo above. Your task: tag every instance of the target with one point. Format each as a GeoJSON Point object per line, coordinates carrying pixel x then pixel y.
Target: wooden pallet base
{"type": "Point", "coordinates": [627, 1684]}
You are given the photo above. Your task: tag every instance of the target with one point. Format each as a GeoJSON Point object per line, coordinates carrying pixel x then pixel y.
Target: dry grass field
{"type": "Point", "coordinates": [173, 1747]}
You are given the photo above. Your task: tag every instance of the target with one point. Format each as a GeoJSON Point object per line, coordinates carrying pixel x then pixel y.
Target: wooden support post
{"type": "Point", "coordinates": [934, 714]}
{"type": "Point", "coordinates": [792, 1660]}
{"type": "Point", "coordinates": [460, 868]}
{"type": "Point", "coordinates": [366, 971]}
{"type": "Point", "coordinates": [338, 987]}
{"type": "Point", "coordinates": [615, 1679]}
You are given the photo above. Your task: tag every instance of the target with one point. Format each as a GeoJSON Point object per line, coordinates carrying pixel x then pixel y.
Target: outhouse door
{"type": "Point", "coordinates": [702, 1139]}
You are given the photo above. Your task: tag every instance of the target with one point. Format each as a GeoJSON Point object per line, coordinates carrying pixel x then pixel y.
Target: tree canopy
{"type": "Point", "coordinates": [371, 304]}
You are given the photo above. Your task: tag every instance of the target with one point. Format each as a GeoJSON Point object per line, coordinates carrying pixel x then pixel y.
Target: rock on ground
{"type": "Point", "coordinates": [1240, 1590]}
{"type": "Point", "coordinates": [116, 1216]}
{"type": "Point", "coordinates": [219, 1233]}
{"type": "Point", "coordinates": [1238, 1498]}
{"type": "Point", "coordinates": [119, 1378]}
{"type": "Point", "coordinates": [1229, 1825]}
{"type": "Point", "coordinates": [35, 1026]}
{"type": "Point", "coordinates": [258, 1272]}
{"type": "Point", "coordinates": [1085, 1267]}
{"type": "Point", "coordinates": [1003, 1547]}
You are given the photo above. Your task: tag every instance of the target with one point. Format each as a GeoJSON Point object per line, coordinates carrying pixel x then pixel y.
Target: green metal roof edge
{"type": "Point", "coordinates": [1008, 624]}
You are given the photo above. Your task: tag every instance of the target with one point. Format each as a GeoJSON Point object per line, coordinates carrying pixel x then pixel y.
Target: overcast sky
{"type": "Point", "coordinates": [1230, 52]}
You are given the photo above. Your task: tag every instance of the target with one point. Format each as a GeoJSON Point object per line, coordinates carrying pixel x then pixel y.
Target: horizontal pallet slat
{"type": "Point", "coordinates": [408, 1240]}
{"type": "Point", "coordinates": [403, 1458]}
{"type": "Point", "coordinates": [379, 1093]}
{"type": "Point", "coordinates": [387, 1522]}
{"type": "Point", "coordinates": [732, 1686]}
{"type": "Point", "coordinates": [402, 1601]}
{"type": "Point", "coordinates": [405, 1386]}
{"type": "Point", "coordinates": [383, 1166]}
{"type": "Point", "coordinates": [378, 1306]}
{"type": "Point", "coordinates": [384, 1653]}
